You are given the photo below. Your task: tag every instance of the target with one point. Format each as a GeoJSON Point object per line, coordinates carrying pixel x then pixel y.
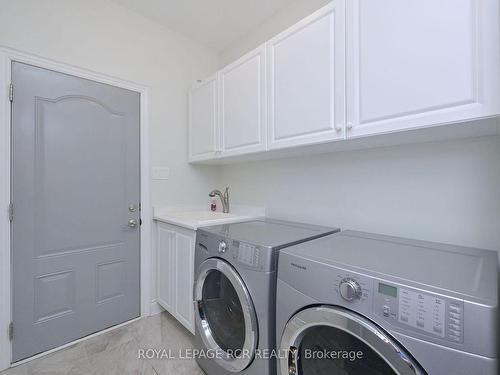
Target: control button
{"type": "Point", "coordinates": [386, 310]}
{"type": "Point", "coordinates": [454, 327]}
{"type": "Point", "coordinates": [438, 330]}
{"type": "Point", "coordinates": [403, 318]}
{"type": "Point", "coordinates": [350, 289]}
{"type": "Point", "coordinates": [420, 323]}
{"type": "Point", "coordinates": [454, 321]}
{"type": "Point", "coordinates": [454, 315]}
{"type": "Point", "coordinates": [455, 309]}
{"type": "Point", "coordinates": [222, 247]}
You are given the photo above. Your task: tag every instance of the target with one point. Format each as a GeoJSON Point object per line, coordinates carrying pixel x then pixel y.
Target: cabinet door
{"type": "Point", "coordinates": [184, 279]}
{"type": "Point", "coordinates": [165, 271]}
{"type": "Point", "coordinates": [418, 63]}
{"type": "Point", "coordinates": [242, 99]}
{"type": "Point", "coordinates": [203, 120]}
{"type": "Point", "coordinates": [306, 80]}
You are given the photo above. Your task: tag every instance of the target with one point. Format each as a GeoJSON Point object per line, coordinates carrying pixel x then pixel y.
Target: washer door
{"type": "Point", "coordinates": [225, 315]}
{"type": "Point", "coordinates": [325, 340]}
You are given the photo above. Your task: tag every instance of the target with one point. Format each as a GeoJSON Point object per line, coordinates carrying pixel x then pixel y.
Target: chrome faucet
{"type": "Point", "coordinates": [224, 198]}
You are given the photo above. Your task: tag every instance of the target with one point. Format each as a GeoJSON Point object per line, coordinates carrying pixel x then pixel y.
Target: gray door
{"type": "Point", "coordinates": [75, 172]}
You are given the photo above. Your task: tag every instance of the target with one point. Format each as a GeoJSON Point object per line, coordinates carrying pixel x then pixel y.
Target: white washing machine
{"type": "Point", "coordinates": [235, 292]}
{"type": "Point", "coordinates": [409, 307]}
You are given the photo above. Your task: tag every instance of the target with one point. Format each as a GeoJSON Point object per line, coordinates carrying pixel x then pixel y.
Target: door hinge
{"type": "Point", "coordinates": [11, 92]}
{"type": "Point", "coordinates": [11, 331]}
{"type": "Point", "coordinates": [11, 212]}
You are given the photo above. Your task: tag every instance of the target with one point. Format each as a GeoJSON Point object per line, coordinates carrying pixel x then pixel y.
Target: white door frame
{"type": "Point", "coordinates": [7, 55]}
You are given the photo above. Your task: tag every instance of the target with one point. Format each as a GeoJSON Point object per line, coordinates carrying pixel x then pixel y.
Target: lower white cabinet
{"type": "Point", "coordinates": [175, 248]}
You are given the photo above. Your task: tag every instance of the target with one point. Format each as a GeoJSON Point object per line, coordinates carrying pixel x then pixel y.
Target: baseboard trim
{"type": "Point", "coordinates": [156, 308]}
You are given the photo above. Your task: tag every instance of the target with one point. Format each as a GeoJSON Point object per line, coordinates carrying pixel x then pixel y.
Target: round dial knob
{"type": "Point", "coordinates": [350, 289]}
{"type": "Point", "coordinates": [222, 247]}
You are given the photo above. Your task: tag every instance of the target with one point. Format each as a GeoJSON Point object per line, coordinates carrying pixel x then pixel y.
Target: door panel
{"type": "Point", "coordinates": [243, 104]}
{"type": "Point", "coordinates": [306, 80]}
{"type": "Point", "coordinates": [54, 295]}
{"type": "Point", "coordinates": [184, 275]}
{"type": "Point", "coordinates": [66, 127]}
{"type": "Point", "coordinates": [423, 63]}
{"type": "Point", "coordinates": [166, 267]}
{"type": "Point", "coordinates": [76, 262]}
{"type": "Point", "coordinates": [203, 120]}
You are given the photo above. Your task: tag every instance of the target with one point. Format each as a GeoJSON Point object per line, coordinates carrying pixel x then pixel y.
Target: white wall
{"type": "Point", "coordinates": [104, 37]}
{"type": "Point", "coordinates": [447, 192]}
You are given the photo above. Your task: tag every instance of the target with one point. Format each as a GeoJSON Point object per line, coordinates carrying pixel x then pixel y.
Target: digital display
{"type": "Point", "coordinates": [388, 290]}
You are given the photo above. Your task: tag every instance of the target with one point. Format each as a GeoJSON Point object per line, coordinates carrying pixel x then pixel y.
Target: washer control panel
{"type": "Point", "coordinates": [425, 313]}
{"type": "Point", "coordinates": [422, 311]}
{"type": "Point", "coordinates": [247, 254]}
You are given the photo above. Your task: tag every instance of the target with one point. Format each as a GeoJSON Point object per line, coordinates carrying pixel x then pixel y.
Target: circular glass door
{"type": "Point", "coordinates": [225, 316]}
{"type": "Point", "coordinates": [334, 341]}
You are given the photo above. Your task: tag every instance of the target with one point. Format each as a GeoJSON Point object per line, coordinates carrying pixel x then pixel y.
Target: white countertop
{"type": "Point", "coordinates": [195, 217]}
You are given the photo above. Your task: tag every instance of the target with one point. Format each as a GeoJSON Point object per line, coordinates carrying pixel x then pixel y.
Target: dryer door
{"type": "Point", "coordinates": [225, 315]}
{"type": "Point", "coordinates": [329, 340]}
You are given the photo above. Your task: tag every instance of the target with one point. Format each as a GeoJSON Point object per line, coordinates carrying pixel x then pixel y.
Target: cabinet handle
{"type": "Point", "coordinates": [338, 128]}
{"type": "Point", "coordinates": [349, 126]}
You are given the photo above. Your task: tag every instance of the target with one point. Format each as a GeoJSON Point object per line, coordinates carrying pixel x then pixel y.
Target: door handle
{"type": "Point", "coordinates": [132, 223]}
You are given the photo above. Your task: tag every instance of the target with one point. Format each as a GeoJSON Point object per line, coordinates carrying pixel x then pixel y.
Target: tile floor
{"type": "Point", "coordinates": [117, 352]}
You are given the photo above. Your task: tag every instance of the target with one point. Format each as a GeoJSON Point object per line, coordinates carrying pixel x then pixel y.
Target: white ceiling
{"type": "Point", "coordinates": [214, 23]}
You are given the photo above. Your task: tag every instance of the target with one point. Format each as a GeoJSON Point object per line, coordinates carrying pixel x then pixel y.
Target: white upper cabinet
{"type": "Point", "coordinates": [242, 103]}
{"type": "Point", "coordinates": [354, 68]}
{"type": "Point", "coordinates": [306, 80]}
{"type": "Point", "coordinates": [417, 63]}
{"type": "Point", "coordinates": [203, 120]}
